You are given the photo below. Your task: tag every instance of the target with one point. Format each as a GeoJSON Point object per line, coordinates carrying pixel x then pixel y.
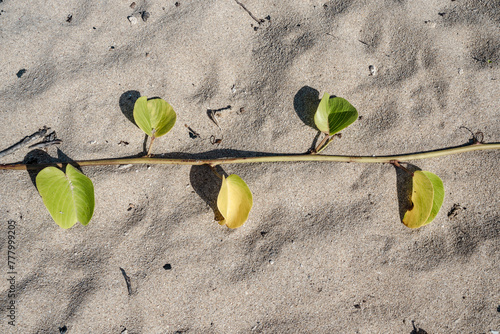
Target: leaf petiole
{"type": "Point", "coordinates": [215, 171]}
{"type": "Point", "coordinates": [330, 139]}
{"type": "Point", "coordinates": [397, 164]}
{"type": "Point", "coordinates": [151, 144]}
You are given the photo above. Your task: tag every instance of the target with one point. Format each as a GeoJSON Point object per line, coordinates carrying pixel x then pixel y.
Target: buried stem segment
{"type": "Point", "coordinates": [269, 158]}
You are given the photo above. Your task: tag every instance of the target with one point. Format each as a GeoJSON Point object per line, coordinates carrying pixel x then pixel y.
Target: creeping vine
{"type": "Point", "coordinates": [69, 195]}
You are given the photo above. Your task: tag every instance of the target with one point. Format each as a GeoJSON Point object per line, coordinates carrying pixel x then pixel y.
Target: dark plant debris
{"type": "Point", "coordinates": [455, 210]}
{"type": "Point", "coordinates": [21, 72]}
{"type": "Point", "coordinates": [145, 16]}
{"type": "Point", "coordinates": [192, 134]}
{"type": "Point", "coordinates": [127, 281]}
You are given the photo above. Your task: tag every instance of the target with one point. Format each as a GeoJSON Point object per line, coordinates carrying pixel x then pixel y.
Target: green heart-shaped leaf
{"type": "Point", "coordinates": [155, 117]}
{"type": "Point", "coordinates": [234, 201]}
{"type": "Point", "coordinates": [68, 197]}
{"type": "Point", "coordinates": [334, 114]}
{"type": "Point", "coordinates": [437, 185]}
{"type": "Point", "coordinates": [422, 199]}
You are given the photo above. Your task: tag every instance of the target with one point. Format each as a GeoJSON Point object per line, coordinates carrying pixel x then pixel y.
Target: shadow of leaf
{"type": "Point", "coordinates": [38, 157]}
{"type": "Point", "coordinates": [207, 186]}
{"type": "Point", "coordinates": [127, 102]}
{"type": "Point", "coordinates": [305, 103]}
{"type": "Point", "coordinates": [404, 184]}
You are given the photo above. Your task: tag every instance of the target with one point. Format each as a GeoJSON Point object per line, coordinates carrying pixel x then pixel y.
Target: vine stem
{"type": "Point", "coordinates": [268, 158]}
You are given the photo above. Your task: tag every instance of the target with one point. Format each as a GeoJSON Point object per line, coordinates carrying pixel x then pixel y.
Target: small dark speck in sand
{"type": "Point", "coordinates": [417, 330]}
{"type": "Point", "coordinates": [21, 72]}
{"type": "Point", "coordinates": [69, 18]}
{"type": "Point", "coordinates": [145, 16]}
{"type": "Point", "coordinates": [63, 329]}
{"type": "Point", "coordinates": [168, 266]}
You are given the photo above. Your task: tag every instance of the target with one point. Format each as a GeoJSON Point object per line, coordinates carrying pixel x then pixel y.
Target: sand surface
{"type": "Point", "coordinates": [324, 249]}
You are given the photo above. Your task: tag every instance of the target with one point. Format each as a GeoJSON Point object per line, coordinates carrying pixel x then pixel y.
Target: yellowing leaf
{"type": "Point", "coordinates": [334, 114]}
{"type": "Point", "coordinates": [68, 197]}
{"type": "Point", "coordinates": [427, 199]}
{"type": "Point", "coordinates": [235, 201]}
{"type": "Point", "coordinates": [438, 187]}
{"type": "Point", "coordinates": [155, 117]}
{"type": "Point", "coordinates": [422, 198]}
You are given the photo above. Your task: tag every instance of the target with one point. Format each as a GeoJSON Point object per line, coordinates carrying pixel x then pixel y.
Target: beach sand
{"type": "Point", "coordinates": [324, 249]}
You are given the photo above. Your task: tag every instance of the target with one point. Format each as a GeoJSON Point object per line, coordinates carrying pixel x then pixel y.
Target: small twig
{"type": "Point", "coordinates": [212, 114]}
{"type": "Point", "coordinates": [25, 141]}
{"type": "Point", "coordinates": [214, 140]}
{"type": "Point", "coordinates": [193, 134]}
{"type": "Point", "coordinates": [477, 138]}
{"type": "Point", "coordinates": [45, 144]}
{"type": "Point", "coordinates": [213, 117]}
{"type": "Point", "coordinates": [127, 281]}
{"type": "Point", "coordinates": [259, 21]}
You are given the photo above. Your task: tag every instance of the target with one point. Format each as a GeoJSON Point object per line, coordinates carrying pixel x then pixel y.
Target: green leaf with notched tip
{"type": "Point", "coordinates": [155, 117]}
{"type": "Point", "coordinates": [68, 197]}
{"type": "Point", "coordinates": [422, 199]}
{"type": "Point", "coordinates": [235, 201]}
{"type": "Point", "coordinates": [334, 114]}
{"type": "Point", "coordinates": [437, 185]}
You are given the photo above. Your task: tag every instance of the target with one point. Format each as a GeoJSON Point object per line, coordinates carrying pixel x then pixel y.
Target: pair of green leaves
{"type": "Point", "coordinates": [155, 117]}
{"type": "Point", "coordinates": [334, 114]}
{"type": "Point", "coordinates": [69, 196]}
{"type": "Point", "coordinates": [427, 197]}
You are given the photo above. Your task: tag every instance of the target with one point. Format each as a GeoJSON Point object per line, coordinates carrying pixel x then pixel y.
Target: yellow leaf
{"type": "Point", "coordinates": [422, 199]}
{"type": "Point", "coordinates": [235, 201]}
